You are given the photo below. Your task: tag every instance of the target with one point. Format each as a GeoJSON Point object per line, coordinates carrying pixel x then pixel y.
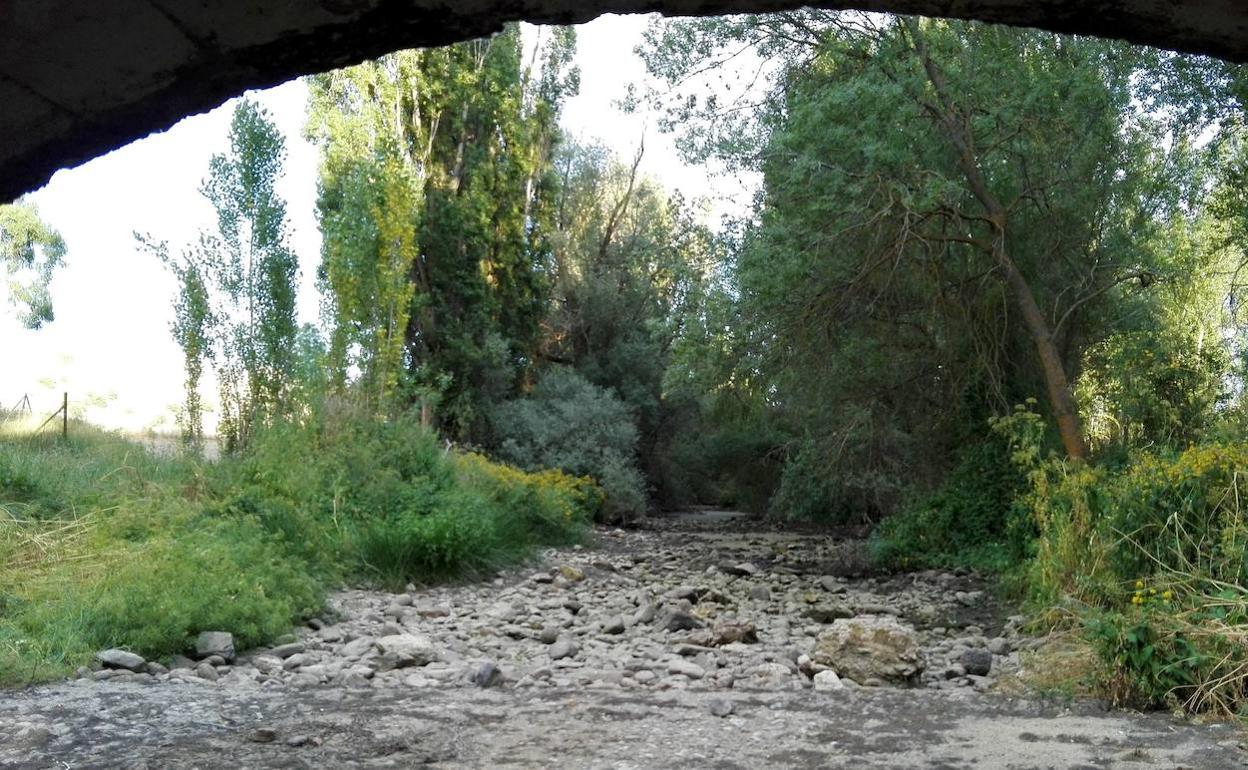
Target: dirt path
{"type": "Point", "coordinates": [694, 643]}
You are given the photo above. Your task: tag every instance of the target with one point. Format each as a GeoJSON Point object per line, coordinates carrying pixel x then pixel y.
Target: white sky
{"type": "Point", "coordinates": [110, 344]}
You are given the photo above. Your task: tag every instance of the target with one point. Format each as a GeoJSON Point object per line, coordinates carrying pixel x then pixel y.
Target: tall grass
{"type": "Point", "coordinates": [103, 543]}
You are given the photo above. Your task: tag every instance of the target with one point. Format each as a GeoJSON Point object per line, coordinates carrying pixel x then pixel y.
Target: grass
{"type": "Point", "coordinates": [105, 544]}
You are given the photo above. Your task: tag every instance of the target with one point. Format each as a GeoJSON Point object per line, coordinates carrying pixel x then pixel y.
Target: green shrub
{"type": "Point", "coordinates": [971, 520]}
{"type": "Point", "coordinates": [1150, 556]}
{"type": "Point", "coordinates": [570, 424]}
{"type": "Point", "coordinates": [104, 544]}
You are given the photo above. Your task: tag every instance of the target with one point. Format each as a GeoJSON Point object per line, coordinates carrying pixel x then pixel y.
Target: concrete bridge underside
{"type": "Point", "coordinates": [81, 77]}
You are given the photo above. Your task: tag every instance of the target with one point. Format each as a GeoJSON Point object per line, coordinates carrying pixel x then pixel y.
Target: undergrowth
{"type": "Point", "coordinates": [103, 543]}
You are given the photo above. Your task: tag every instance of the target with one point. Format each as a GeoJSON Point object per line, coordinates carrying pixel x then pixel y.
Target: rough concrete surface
{"type": "Point", "coordinates": [81, 77]}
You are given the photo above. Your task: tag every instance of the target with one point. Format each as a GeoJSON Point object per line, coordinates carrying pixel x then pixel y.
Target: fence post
{"type": "Point", "coordinates": [65, 415]}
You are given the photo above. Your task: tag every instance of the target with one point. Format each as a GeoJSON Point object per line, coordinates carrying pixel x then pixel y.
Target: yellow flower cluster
{"type": "Point", "coordinates": [1144, 595]}
{"type": "Point", "coordinates": [574, 497]}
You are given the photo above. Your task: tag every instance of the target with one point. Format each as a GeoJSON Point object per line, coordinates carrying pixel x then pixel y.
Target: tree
{"type": "Point", "coordinates": [30, 251]}
{"type": "Point", "coordinates": [434, 209]}
{"type": "Point", "coordinates": [236, 303]}
{"type": "Point", "coordinates": [952, 213]}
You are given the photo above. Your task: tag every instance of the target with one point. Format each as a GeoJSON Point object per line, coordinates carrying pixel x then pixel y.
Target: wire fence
{"type": "Point", "coordinates": [23, 412]}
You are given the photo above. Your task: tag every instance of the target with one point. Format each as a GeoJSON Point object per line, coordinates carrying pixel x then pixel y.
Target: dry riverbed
{"type": "Point", "coordinates": [698, 641]}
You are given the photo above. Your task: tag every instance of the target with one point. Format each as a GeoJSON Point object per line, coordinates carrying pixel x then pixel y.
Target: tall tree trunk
{"type": "Point", "coordinates": [958, 129]}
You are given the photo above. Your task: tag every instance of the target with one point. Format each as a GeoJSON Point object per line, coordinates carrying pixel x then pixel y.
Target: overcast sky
{"type": "Point", "coordinates": [110, 343]}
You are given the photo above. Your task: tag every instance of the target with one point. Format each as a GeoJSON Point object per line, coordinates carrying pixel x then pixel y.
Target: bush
{"type": "Point", "coordinates": [971, 520]}
{"type": "Point", "coordinates": [1150, 556]}
{"type": "Point", "coordinates": [570, 424]}
{"type": "Point", "coordinates": [103, 544]}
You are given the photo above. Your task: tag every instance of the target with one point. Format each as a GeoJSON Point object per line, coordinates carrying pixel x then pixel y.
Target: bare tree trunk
{"type": "Point", "coordinates": [957, 127]}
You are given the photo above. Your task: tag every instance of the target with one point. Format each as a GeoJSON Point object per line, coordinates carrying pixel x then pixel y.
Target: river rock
{"type": "Point", "coordinates": [403, 650]}
{"type": "Point", "coordinates": [828, 681]}
{"type": "Point", "coordinates": [976, 662]}
{"type": "Point", "coordinates": [867, 648]}
{"type": "Point", "coordinates": [207, 671]}
{"type": "Point", "coordinates": [284, 651]}
{"type": "Point", "coordinates": [123, 659]}
{"type": "Point", "coordinates": [488, 675]}
{"type": "Point", "coordinates": [678, 620]}
{"type": "Point", "coordinates": [212, 643]}
{"type": "Point", "coordinates": [828, 612]}
{"type": "Point", "coordinates": [564, 648]}
{"type": "Point", "coordinates": [686, 668]}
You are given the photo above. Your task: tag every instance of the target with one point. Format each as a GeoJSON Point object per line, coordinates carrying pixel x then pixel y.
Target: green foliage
{"type": "Point", "coordinates": [30, 251]}
{"type": "Point", "coordinates": [104, 544]}
{"type": "Point", "coordinates": [236, 302]}
{"type": "Point", "coordinates": [570, 424]}
{"type": "Point", "coordinates": [435, 208]}
{"type": "Point", "coordinates": [878, 307]}
{"type": "Point", "coordinates": [970, 521]}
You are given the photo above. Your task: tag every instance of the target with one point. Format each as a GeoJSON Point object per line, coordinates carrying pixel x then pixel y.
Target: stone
{"type": "Point", "coordinates": [215, 643]}
{"type": "Point", "coordinates": [999, 646]}
{"type": "Point", "coordinates": [207, 671]}
{"type": "Point", "coordinates": [683, 592]}
{"type": "Point", "coordinates": [678, 620]}
{"type": "Point", "coordinates": [430, 610]}
{"type": "Point", "coordinates": [744, 569]}
{"type": "Point", "coordinates": [828, 612]}
{"type": "Point", "coordinates": [181, 661]}
{"type": "Point", "coordinates": [976, 662]}
{"type": "Point", "coordinates": [564, 648]}
{"type": "Point", "coordinates": [721, 707]}
{"type": "Point", "coordinates": [864, 648]}
{"type": "Point", "coordinates": [828, 681]}
{"type": "Point", "coordinates": [488, 675]}
{"type": "Point", "coordinates": [724, 633]}
{"type": "Point", "coordinates": [357, 647]}
{"type": "Point", "coordinates": [613, 625]}
{"type": "Point", "coordinates": [548, 635]}
{"type": "Point", "coordinates": [267, 664]}
{"type": "Point", "coordinates": [156, 668]}
{"type": "Point", "coordinates": [25, 736]}
{"type": "Point", "coordinates": [969, 598]}
{"type": "Point", "coordinates": [123, 659]}
{"type": "Point", "coordinates": [404, 650]}
{"type": "Point", "coordinates": [262, 735]}
{"type": "Point", "coordinates": [686, 668]}
{"type": "Point", "coordinates": [572, 574]}
{"type": "Point", "coordinates": [572, 606]}
{"type": "Point", "coordinates": [954, 671]}
{"type": "Point", "coordinates": [284, 651]}
{"type": "Point", "coordinates": [832, 585]}
{"type": "Point", "coordinates": [760, 593]}
{"type": "Point", "coordinates": [645, 613]}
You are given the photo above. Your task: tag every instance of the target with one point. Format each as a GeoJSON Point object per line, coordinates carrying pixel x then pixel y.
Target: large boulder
{"type": "Point", "coordinates": [870, 648]}
{"type": "Point", "coordinates": [403, 650]}
{"type": "Point", "coordinates": [212, 643]}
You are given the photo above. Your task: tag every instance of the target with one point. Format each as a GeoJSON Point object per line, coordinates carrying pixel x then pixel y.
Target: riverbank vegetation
{"type": "Point", "coordinates": [987, 301]}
